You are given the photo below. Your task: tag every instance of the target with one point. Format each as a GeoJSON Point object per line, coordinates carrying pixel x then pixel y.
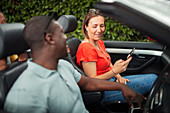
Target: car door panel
{"type": "Point", "coordinates": [146, 57]}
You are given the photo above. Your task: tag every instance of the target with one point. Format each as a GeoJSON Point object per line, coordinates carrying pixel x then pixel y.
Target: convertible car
{"type": "Point", "coordinates": [151, 17]}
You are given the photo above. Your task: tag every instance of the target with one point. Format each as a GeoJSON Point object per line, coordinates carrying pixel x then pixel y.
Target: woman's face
{"type": "Point", "coordinates": [95, 28]}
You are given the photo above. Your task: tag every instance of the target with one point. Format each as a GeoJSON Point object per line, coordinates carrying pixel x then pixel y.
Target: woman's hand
{"type": "Point", "coordinates": [121, 79]}
{"type": "Point", "coordinates": [121, 65]}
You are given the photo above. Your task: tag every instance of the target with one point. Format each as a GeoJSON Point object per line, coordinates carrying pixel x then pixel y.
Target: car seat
{"type": "Point", "coordinates": [11, 42]}
{"type": "Point", "coordinates": [88, 97]}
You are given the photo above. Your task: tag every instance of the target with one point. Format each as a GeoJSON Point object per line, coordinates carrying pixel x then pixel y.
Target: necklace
{"type": "Point", "coordinates": [95, 45]}
{"type": "Point", "coordinates": [104, 53]}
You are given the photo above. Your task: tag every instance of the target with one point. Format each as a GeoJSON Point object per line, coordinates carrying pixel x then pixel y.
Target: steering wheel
{"type": "Point", "coordinates": [160, 81]}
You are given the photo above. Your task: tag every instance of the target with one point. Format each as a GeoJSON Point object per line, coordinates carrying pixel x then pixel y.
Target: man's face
{"type": "Point", "coordinates": [2, 19]}
{"type": "Point", "coordinates": [60, 38]}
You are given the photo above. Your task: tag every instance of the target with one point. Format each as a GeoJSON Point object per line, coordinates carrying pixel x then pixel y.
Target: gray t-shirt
{"type": "Point", "coordinates": [40, 90]}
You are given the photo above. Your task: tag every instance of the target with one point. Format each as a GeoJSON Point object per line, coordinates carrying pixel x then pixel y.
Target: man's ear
{"type": "Point", "coordinates": [49, 38]}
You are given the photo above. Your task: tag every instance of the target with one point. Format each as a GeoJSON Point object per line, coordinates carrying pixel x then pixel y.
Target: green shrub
{"type": "Point", "coordinates": [22, 10]}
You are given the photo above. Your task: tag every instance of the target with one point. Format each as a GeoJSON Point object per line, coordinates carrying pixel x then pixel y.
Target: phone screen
{"type": "Point", "coordinates": [130, 54]}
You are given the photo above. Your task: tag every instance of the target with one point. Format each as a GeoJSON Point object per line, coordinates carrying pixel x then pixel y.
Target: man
{"type": "Point", "coordinates": [49, 84]}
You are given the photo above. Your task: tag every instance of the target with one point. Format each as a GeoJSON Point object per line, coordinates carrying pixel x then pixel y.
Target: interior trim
{"type": "Point", "coordinates": [166, 58]}
{"type": "Point", "coordinates": [137, 51]}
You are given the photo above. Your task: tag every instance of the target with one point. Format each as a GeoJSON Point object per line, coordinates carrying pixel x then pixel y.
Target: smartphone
{"type": "Point", "coordinates": [130, 54]}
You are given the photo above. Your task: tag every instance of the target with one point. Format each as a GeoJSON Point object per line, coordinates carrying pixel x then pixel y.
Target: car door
{"type": "Point", "coordinates": [149, 18]}
{"type": "Point", "coordinates": [152, 18]}
{"type": "Point", "coordinates": [146, 57]}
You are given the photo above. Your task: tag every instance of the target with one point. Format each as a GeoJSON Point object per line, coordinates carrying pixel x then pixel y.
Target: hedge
{"type": "Point", "coordinates": [22, 10]}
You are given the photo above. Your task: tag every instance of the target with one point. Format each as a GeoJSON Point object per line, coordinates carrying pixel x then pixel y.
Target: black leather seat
{"type": "Point", "coordinates": [88, 97]}
{"type": "Point", "coordinates": [11, 42]}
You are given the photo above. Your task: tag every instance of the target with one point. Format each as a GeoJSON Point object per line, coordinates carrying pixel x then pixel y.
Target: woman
{"type": "Point", "coordinates": [96, 62]}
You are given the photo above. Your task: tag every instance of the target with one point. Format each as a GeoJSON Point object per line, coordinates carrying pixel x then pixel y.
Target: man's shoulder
{"type": "Point", "coordinates": [62, 62]}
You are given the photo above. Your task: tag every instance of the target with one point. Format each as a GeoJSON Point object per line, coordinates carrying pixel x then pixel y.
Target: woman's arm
{"type": "Point", "coordinates": [119, 78]}
{"type": "Point", "coordinates": [90, 70]}
{"type": "Point", "coordinates": [120, 66]}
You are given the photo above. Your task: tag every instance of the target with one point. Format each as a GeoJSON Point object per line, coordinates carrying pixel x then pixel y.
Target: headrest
{"type": "Point", "coordinates": [73, 45]}
{"type": "Point", "coordinates": [69, 23]}
{"type": "Point", "coordinates": [11, 39]}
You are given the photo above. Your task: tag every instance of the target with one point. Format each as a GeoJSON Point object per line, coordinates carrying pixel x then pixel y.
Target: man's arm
{"type": "Point", "coordinates": [92, 84]}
